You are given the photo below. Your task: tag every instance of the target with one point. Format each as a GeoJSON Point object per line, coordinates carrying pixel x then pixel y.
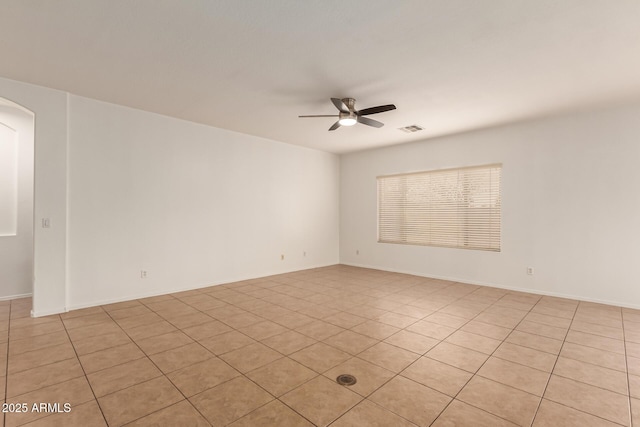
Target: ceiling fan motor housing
{"type": "Point", "coordinates": [348, 116]}
{"type": "Point", "coordinates": [350, 103]}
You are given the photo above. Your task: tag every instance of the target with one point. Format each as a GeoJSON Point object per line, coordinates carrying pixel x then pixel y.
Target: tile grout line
{"type": "Point", "coordinates": [626, 364]}
{"type": "Point", "coordinates": [297, 296]}
{"type": "Point", "coordinates": [157, 367]}
{"type": "Point", "coordinates": [385, 310]}
{"type": "Point", "coordinates": [483, 363]}
{"type": "Point", "coordinates": [554, 365]}
{"type": "Point", "coordinates": [214, 355]}
{"type": "Point", "coordinates": [410, 364]}
{"type": "Point", "coordinates": [160, 370]}
{"type": "Point", "coordinates": [420, 355]}
{"type": "Point", "coordinates": [47, 346]}
{"type": "Point", "coordinates": [423, 354]}
{"type": "Point", "coordinates": [83, 371]}
{"type": "Point", "coordinates": [489, 356]}
{"type": "Point", "coordinates": [6, 373]}
{"type": "Point", "coordinates": [581, 382]}
{"type": "Point", "coordinates": [352, 356]}
{"type": "Point", "coordinates": [76, 357]}
{"type": "Point", "coordinates": [242, 374]}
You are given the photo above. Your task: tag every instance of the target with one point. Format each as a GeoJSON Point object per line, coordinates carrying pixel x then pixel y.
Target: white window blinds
{"type": "Point", "coordinates": [457, 208]}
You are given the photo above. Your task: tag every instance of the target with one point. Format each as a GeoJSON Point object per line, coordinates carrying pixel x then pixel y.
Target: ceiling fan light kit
{"type": "Point", "coordinates": [347, 119]}
{"type": "Point", "coordinates": [349, 116]}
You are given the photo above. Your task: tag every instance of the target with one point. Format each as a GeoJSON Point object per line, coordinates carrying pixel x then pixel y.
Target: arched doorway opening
{"type": "Point", "coordinates": [17, 126]}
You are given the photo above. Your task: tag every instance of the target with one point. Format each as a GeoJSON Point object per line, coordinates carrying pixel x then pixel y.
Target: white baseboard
{"type": "Point", "coordinates": [10, 297]}
{"type": "Point", "coordinates": [183, 289]}
{"type": "Point", "coordinates": [48, 312]}
{"type": "Point", "coordinates": [499, 286]}
{"type": "Point", "coordinates": [238, 279]}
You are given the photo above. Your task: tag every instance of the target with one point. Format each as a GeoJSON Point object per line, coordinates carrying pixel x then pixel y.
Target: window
{"type": "Point", "coordinates": [458, 208]}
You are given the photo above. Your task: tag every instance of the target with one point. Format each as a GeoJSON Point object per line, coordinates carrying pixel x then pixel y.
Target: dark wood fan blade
{"type": "Point", "coordinates": [370, 122]}
{"type": "Point", "coordinates": [376, 110]}
{"type": "Point", "coordinates": [340, 105]}
{"type": "Point", "coordinates": [321, 115]}
{"type": "Point", "coordinates": [335, 126]}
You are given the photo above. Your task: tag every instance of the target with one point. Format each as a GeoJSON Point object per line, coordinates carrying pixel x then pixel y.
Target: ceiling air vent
{"type": "Point", "coordinates": [411, 129]}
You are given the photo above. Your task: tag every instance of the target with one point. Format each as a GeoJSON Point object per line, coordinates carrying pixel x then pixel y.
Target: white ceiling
{"type": "Point", "coordinates": [253, 66]}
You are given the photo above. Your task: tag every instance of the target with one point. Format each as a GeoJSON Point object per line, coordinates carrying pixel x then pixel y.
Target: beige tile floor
{"type": "Point", "coordinates": [266, 352]}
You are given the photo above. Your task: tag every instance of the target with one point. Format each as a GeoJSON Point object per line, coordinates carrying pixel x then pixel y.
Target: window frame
{"type": "Point", "coordinates": [497, 205]}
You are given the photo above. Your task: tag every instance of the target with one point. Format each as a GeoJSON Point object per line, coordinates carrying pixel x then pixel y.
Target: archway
{"type": "Point", "coordinates": [17, 126]}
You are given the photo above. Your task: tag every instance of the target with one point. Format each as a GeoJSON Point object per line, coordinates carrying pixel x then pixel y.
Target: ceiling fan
{"type": "Point", "coordinates": [349, 116]}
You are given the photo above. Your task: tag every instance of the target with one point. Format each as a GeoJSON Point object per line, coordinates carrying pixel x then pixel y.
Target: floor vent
{"type": "Point", "coordinates": [346, 379]}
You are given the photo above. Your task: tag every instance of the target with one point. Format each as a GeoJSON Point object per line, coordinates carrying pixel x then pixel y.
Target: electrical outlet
{"type": "Point", "coordinates": [281, 257]}
{"type": "Point", "coordinates": [530, 271]}
{"type": "Point", "coordinates": [143, 274]}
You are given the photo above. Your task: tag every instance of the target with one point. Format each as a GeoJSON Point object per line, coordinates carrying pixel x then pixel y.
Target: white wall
{"type": "Point", "coordinates": [571, 206]}
{"type": "Point", "coordinates": [16, 248]}
{"type": "Point", "coordinates": [132, 173]}
{"type": "Point", "coordinates": [190, 204]}
{"type": "Point", "coordinates": [50, 189]}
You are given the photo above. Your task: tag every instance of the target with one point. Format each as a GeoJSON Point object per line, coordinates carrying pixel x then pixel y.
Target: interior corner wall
{"type": "Point", "coordinates": [50, 189]}
{"type": "Point", "coordinates": [189, 204]}
{"type": "Point", "coordinates": [570, 206]}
